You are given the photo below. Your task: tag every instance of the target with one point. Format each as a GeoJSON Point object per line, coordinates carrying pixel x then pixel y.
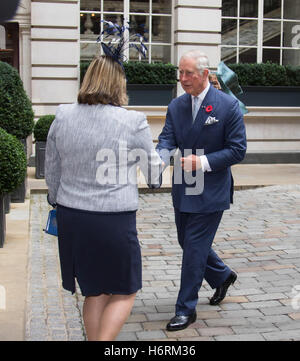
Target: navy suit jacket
{"type": "Point", "coordinates": [223, 142]}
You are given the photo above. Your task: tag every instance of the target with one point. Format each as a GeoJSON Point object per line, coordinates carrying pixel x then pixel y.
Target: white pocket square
{"type": "Point", "coordinates": [211, 120]}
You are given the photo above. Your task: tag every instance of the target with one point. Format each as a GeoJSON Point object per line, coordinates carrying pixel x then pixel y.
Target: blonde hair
{"type": "Point", "coordinates": [104, 82]}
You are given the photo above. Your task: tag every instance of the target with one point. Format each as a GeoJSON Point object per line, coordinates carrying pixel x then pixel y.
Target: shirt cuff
{"type": "Point", "coordinates": [204, 164]}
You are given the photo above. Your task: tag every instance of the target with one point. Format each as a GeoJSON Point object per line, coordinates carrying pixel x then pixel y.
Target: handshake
{"type": "Point", "coordinates": [188, 164]}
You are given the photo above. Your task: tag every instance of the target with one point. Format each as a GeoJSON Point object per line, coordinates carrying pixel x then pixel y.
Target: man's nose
{"type": "Point", "coordinates": [183, 77]}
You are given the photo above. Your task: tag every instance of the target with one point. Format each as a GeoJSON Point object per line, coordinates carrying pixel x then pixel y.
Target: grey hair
{"type": "Point", "coordinates": [201, 58]}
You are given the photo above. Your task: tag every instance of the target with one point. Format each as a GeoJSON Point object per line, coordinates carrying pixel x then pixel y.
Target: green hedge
{"type": "Point", "coordinates": [144, 73]}
{"type": "Point", "coordinates": [154, 73]}
{"type": "Point", "coordinates": [42, 126]}
{"type": "Point", "coordinates": [16, 115]}
{"type": "Point", "coordinates": [267, 74]}
{"type": "Point", "coordinates": [264, 74]}
{"type": "Point", "coordinates": [12, 162]}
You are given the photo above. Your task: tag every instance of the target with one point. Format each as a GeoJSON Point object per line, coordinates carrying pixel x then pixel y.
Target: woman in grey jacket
{"type": "Point", "coordinates": [93, 150]}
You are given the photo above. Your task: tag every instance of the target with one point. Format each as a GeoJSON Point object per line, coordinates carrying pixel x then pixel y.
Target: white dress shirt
{"type": "Point", "coordinates": [204, 162]}
{"type": "Point", "coordinates": [201, 96]}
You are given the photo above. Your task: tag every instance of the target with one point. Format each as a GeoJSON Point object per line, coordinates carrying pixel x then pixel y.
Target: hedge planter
{"type": "Point", "coordinates": [151, 94]}
{"type": "Point", "coordinates": [271, 96]}
{"type": "Point", "coordinates": [2, 221]}
{"type": "Point", "coordinates": [13, 171]}
{"type": "Point", "coordinates": [147, 84]}
{"type": "Point", "coordinates": [7, 203]}
{"type": "Point", "coordinates": [40, 151]}
{"type": "Point", "coordinates": [40, 132]}
{"type": "Point", "coordinates": [18, 195]}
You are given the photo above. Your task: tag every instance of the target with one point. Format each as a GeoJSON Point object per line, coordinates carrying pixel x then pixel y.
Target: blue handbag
{"type": "Point", "coordinates": [51, 226]}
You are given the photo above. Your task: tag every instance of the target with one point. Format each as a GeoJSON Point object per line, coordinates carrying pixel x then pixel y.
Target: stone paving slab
{"type": "Point", "coordinates": [13, 275]}
{"type": "Point", "coordinates": [259, 237]}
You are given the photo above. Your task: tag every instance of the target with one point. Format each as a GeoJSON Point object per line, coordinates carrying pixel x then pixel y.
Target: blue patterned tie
{"type": "Point", "coordinates": [196, 107]}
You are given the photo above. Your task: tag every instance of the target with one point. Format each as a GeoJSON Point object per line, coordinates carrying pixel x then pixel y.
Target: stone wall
{"type": "Point", "coordinates": [54, 54]}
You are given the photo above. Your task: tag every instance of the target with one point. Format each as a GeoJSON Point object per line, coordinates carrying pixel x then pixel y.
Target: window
{"type": "Point", "coordinates": [261, 31]}
{"type": "Point", "coordinates": [9, 44]}
{"type": "Point", "coordinates": [151, 18]}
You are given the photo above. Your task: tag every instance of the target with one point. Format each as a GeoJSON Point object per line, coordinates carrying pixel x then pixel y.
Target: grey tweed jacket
{"type": "Point", "coordinates": [92, 155]}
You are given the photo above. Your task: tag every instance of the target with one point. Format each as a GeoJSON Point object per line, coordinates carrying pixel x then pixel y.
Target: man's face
{"type": "Point", "coordinates": [191, 80]}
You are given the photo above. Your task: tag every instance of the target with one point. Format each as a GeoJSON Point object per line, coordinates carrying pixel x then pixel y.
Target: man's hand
{"type": "Point", "coordinates": [190, 163]}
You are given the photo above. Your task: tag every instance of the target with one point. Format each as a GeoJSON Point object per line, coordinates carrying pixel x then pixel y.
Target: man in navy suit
{"type": "Point", "coordinates": [209, 124]}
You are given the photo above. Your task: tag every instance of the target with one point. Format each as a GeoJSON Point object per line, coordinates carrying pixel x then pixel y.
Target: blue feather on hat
{"type": "Point", "coordinates": [116, 46]}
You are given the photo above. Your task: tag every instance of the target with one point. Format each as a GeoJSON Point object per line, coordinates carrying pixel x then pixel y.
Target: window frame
{"type": "Point", "coordinates": [260, 32]}
{"type": "Point", "coordinates": [126, 14]}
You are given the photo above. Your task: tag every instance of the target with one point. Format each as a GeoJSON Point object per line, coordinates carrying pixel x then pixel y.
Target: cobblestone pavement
{"type": "Point", "coordinates": [259, 238]}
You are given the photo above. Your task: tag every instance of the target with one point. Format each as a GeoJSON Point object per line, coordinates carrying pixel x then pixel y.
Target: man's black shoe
{"type": "Point", "coordinates": [181, 322]}
{"type": "Point", "coordinates": [222, 290]}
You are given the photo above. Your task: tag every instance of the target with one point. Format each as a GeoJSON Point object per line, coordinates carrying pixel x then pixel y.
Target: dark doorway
{"type": "Point", "coordinates": [10, 54]}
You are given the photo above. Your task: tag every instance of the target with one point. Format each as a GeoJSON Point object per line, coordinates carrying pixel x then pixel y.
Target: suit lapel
{"type": "Point", "coordinates": [186, 118]}
{"type": "Point", "coordinates": [193, 134]}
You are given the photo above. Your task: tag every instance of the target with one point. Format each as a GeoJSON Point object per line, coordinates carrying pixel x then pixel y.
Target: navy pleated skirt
{"type": "Point", "coordinates": [101, 250]}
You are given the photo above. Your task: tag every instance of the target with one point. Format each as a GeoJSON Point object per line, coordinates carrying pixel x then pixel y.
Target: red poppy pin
{"type": "Point", "coordinates": [209, 109]}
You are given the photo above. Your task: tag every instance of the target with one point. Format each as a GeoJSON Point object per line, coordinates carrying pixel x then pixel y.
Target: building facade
{"type": "Point", "coordinates": [47, 39]}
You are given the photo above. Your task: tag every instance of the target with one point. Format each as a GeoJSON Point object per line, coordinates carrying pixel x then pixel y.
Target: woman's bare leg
{"type": "Point", "coordinates": [93, 308]}
{"type": "Point", "coordinates": [114, 316]}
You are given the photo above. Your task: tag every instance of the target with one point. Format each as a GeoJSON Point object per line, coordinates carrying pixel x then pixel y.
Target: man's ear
{"type": "Point", "coordinates": [205, 73]}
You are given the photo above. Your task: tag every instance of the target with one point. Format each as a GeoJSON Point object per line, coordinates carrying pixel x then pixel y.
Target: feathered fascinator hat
{"type": "Point", "coordinates": [119, 41]}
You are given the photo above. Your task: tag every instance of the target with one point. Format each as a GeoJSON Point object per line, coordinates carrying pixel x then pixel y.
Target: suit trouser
{"type": "Point", "coordinates": [196, 232]}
